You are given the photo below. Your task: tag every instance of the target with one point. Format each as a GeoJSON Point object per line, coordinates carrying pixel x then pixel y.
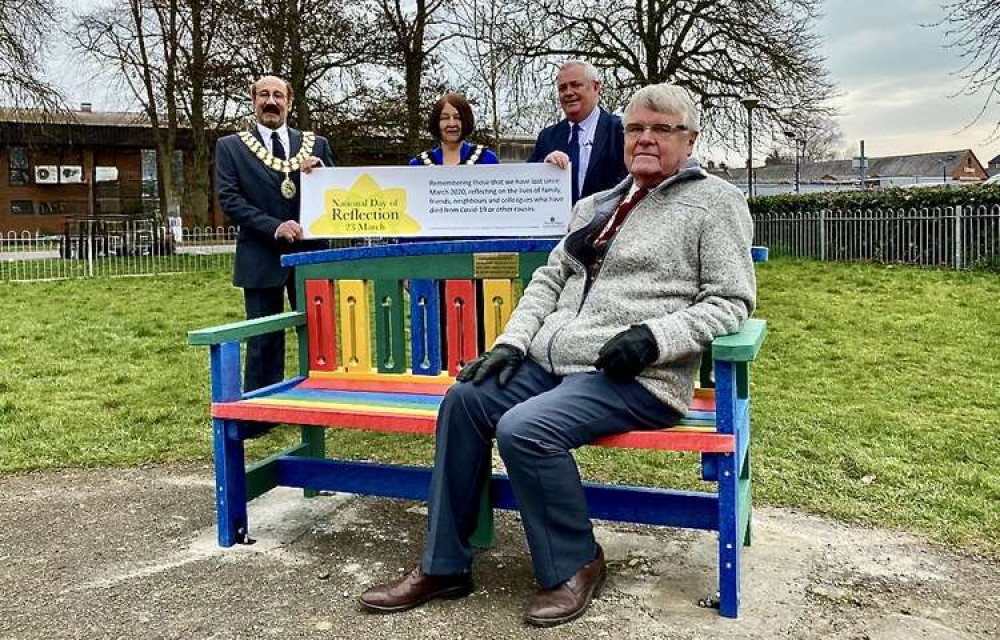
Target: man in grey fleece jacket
{"type": "Point", "coordinates": [606, 339]}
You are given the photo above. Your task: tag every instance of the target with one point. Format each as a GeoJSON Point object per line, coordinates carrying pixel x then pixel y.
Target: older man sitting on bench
{"type": "Point", "coordinates": [606, 339]}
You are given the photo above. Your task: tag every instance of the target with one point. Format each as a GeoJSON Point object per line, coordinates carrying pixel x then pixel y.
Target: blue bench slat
{"type": "Point", "coordinates": [642, 505]}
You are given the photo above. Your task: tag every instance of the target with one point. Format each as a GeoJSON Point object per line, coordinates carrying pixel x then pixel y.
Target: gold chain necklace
{"type": "Point", "coordinates": [477, 150]}
{"type": "Point", "coordinates": [283, 166]}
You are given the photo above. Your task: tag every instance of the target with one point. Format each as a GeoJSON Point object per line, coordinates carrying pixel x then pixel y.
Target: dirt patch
{"type": "Point", "coordinates": [131, 554]}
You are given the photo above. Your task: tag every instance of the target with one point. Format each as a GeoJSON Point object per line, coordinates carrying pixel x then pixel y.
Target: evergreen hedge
{"type": "Point", "coordinates": [894, 198]}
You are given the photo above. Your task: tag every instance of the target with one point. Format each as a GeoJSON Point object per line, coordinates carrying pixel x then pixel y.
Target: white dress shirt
{"type": "Point", "coordinates": [588, 127]}
{"type": "Point", "coordinates": [265, 134]}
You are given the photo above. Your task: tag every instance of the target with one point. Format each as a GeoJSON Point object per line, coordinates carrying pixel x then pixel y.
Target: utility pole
{"type": "Point", "coordinates": [750, 103]}
{"type": "Point", "coordinates": [861, 164]}
{"type": "Point", "coordinates": [864, 164]}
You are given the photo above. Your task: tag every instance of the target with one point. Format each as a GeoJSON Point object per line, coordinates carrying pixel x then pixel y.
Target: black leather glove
{"type": "Point", "coordinates": [502, 358]}
{"type": "Point", "coordinates": [628, 353]}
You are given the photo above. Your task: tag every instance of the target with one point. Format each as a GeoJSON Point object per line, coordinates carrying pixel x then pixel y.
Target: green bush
{"type": "Point", "coordinates": [895, 198]}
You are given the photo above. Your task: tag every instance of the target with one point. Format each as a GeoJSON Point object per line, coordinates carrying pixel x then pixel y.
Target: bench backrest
{"type": "Point", "coordinates": [461, 294]}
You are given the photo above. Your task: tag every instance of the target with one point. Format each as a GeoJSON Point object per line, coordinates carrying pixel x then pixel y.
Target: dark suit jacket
{"type": "Point", "coordinates": [607, 155]}
{"type": "Point", "coordinates": [250, 194]}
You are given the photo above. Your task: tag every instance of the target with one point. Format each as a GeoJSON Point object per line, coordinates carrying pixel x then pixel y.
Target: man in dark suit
{"type": "Point", "coordinates": [257, 183]}
{"type": "Point", "coordinates": [589, 138]}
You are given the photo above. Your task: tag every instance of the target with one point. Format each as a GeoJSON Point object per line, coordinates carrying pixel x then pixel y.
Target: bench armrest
{"type": "Point", "coordinates": [246, 328]}
{"type": "Point", "coordinates": [742, 346]}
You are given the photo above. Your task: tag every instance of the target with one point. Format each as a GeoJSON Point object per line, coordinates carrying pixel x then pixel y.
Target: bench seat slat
{"type": "Point", "coordinates": [378, 377]}
{"type": "Point", "coordinates": [371, 421]}
{"type": "Point", "coordinates": [365, 404]}
{"type": "Point", "coordinates": [704, 399]}
{"type": "Point", "coordinates": [347, 407]}
{"type": "Point", "coordinates": [365, 397]}
{"type": "Point", "coordinates": [438, 388]}
{"type": "Point", "coordinates": [674, 439]}
{"type": "Point", "coordinates": [418, 404]}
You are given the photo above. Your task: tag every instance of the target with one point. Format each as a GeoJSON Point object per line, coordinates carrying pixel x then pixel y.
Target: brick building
{"type": "Point", "coordinates": [78, 164]}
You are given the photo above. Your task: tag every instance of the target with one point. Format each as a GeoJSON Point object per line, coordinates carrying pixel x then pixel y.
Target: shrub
{"type": "Point", "coordinates": [894, 198]}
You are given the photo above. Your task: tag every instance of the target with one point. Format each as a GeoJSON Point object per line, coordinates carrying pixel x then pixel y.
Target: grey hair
{"type": "Point", "coordinates": [666, 98]}
{"type": "Point", "coordinates": [589, 70]}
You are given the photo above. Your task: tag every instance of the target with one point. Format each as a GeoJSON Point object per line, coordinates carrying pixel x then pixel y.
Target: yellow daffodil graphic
{"type": "Point", "coordinates": [366, 208]}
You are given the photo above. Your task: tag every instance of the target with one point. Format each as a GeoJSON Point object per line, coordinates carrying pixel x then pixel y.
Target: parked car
{"type": "Point", "coordinates": [993, 180]}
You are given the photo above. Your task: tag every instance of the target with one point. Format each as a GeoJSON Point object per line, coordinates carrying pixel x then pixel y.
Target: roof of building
{"type": "Point", "coordinates": [994, 162]}
{"type": "Point", "coordinates": [930, 165]}
{"type": "Point", "coordinates": [86, 128]}
{"type": "Point", "coordinates": [82, 117]}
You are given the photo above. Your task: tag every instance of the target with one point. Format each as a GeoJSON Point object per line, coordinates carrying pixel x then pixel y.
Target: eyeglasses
{"type": "Point", "coordinates": [659, 130]}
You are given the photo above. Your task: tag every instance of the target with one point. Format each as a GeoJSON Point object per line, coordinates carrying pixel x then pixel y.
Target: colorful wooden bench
{"type": "Point", "coordinates": [353, 364]}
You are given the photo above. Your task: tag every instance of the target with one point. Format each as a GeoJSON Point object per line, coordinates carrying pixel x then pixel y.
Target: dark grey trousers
{"type": "Point", "coordinates": [265, 359]}
{"type": "Point", "coordinates": [536, 419]}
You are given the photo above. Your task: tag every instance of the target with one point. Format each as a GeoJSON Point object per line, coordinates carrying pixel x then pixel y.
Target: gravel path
{"type": "Point", "coordinates": [131, 553]}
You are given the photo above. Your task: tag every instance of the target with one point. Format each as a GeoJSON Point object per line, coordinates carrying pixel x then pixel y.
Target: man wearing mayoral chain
{"type": "Point", "coordinates": [257, 183]}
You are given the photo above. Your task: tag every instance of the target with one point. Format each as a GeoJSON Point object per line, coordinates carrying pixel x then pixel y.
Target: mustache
{"type": "Point", "coordinates": [271, 108]}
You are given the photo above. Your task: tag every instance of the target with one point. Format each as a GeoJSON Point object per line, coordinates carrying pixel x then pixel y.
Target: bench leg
{"type": "Point", "coordinates": [315, 439]}
{"type": "Point", "coordinates": [730, 538]}
{"type": "Point", "coordinates": [484, 535]}
{"type": "Point", "coordinates": [230, 485]}
{"type": "Point", "coordinates": [746, 501]}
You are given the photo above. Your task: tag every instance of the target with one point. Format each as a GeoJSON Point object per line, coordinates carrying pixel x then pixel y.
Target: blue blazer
{"type": "Point", "coordinates": [607, 155]}
{"type": "Point", "coordinates": [249, 194]}
{"type": "Point", "coordinates": [486, 157]}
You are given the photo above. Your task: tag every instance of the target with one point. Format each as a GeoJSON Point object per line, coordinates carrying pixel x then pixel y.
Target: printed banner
{"type": "Point", "coordinates": [462, 201]}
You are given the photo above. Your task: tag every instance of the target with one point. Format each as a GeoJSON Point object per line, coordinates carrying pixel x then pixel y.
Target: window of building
{"type": "Point", "coordinates": [149, 188]}
{"type": "Point", "coordinates": [22, 207]}
{"type": "Point", "coordinates": [19, 169]}
{"type": "Point", "coordinates": [50, 208]}
{"type": "Point", "coordinates": [106, 174]}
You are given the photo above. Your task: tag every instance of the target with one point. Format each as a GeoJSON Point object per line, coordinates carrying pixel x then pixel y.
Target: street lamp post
{"type": "Point", "coordinates": [795, 141]}
{"type": "Point", "coordinates": [944, 169]}
{"type": "Point", "coordinates": [750, 103]}
{"type": "Point", "coordinates": [799, 141]}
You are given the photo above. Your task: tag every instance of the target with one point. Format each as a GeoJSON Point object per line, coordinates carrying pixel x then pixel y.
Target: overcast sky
{"type": "Point", "coordinates": [896, 81]}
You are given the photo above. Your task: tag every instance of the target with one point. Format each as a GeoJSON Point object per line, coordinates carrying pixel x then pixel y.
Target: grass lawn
{"type": "Point", "coordinates": [877, 391]}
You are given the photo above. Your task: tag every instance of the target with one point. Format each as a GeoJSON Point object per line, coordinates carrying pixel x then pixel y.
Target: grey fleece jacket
{"type": "Point", "coordinates": [680, 264]}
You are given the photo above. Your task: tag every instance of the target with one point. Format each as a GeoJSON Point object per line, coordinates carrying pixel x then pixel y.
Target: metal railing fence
{"type": "Point", "coordinates": [958, 237]}
{"type": "Point", "coordinates": [96, 248]}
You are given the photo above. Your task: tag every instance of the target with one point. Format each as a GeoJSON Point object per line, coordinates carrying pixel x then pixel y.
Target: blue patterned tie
{"type": "Point", "coordinates": [574, 158]}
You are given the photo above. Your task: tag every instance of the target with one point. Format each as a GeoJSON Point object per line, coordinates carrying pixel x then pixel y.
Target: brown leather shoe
{"type": "Point", "coordinates": [570, 599]}
{"type": "Point", "coordinates": [414, 589]}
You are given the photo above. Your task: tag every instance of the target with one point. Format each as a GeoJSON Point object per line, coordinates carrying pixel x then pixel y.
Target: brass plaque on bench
{"type": "Point", "coordinates": [495, 265]}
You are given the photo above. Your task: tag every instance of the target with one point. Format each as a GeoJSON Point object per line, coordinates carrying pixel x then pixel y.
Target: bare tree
{"type": "Point", "coordinates": [317, 45]}
{"type": "Point", "coordinates": [973, 27]}
{"type": "Point", "coordinates": [824, 140]}
{"type": "Point", "coordinates": [24, 29]}
{"type": "Point", "coordinates": [204, 67]}
{"type": "Point", "coordinates": [140, 41]}
{"type": "Point", "coordinates": [720, 50]}
{"type": "Point", "coordinates": [415, 33]}
{"type": "Point", "coordinates": [487, 62]}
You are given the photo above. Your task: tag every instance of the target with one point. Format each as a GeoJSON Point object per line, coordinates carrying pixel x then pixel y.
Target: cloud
{"type": "Point", "coordinates": [899, 84]}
